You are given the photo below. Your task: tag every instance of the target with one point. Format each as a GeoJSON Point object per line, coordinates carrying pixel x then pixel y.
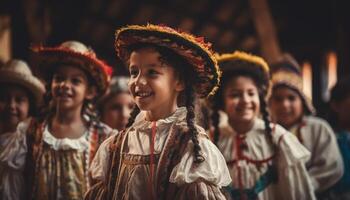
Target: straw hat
{"type": "Point", "coordinates": [193, 49]}
{"type": "Point", "coordinates": [76, 53]}
{"type": "Point", "coordinates": [18, 72]}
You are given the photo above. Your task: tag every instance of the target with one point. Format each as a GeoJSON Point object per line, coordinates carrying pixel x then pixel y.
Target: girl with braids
{"type": "Point", "coordinates": [294, 111]}
{"type": "Point", "coordinates": [163, 154]}
{"type": "Point", "coordinates": [63, 142]}
{"type": "Point", "coordinates": [265, 161]}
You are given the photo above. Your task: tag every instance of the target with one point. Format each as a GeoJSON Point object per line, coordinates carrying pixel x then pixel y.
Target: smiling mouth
{"type": "Point", "coordinates": [143, 94]}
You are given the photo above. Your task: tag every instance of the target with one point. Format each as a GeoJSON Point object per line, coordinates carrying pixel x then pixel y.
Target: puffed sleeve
{"type": "Point", "coordinates": [99, 164]}
{"type": "Point", "coordinates": [326, 166]}
{"type": "Point", "coordinates": [213, 169]}
{"type": "Point", "coordinates": [293, 179]}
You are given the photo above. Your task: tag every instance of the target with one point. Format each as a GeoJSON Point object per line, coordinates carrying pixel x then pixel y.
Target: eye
{"type": "Point", "coordinates": [251, 93]}
{"type": "Point", "coordinates": [292, 98]}
{"type": "Point", "coordinates": [133, 72]}
{"type": "Point", "coordinates": [58, 78]}
{"type": "Point", "coordinates": [77, 81]}
{"type": "Point", "coordinates": [153, 72]}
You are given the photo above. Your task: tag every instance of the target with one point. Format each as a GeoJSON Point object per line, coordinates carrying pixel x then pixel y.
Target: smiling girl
{"type": "Point", "coordinates": [163, 154]}
{"type": "Point", "coordinates": [62, 144]}
{"type": "Point", "coordinates": [265, 161]}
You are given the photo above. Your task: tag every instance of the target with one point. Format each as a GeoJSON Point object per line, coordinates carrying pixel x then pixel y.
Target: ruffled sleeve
{"type": "Point", "coordinates": [213, 170]}
{"type": "Point", "coordinates": [14, 147]}
{"type": "Point", "coordinates": [293, 178]}
{"type": "Point", "coordinates": [98, 167]}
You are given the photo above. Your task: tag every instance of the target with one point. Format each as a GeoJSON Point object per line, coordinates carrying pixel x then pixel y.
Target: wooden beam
{"type": "Point", "coordinates": [265, 28]}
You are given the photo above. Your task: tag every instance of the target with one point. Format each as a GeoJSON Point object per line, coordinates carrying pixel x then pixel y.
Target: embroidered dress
{"type": "Point", "coordinates": [13, 149]}
{"type": "Point", "coordinates": [58, 168]}
{"type": "Point", "coordinates": [258, 170]}
{"type": "Point", "coordinates": [325, 165]}
{"type": "Point", "coordinates": [168, 172]}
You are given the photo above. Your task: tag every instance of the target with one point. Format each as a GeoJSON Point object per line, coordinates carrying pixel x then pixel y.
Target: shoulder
{"type": "Point", "coordinates": [316, 122]}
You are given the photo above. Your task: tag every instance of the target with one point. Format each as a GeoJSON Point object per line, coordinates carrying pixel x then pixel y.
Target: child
{"type": "Point", "coordinates": [265, 161]}
{"type": "Point", "coordinates": [340, 113]}
{"type": "Point", "coordinates": [63, 143]}
{"type": "Point", "coordinates": [116, 105]}
{"type": "Point", "coordinates": [163, 154]}
{"type": "Point", "coordinates": [293, 110]}
{"type": "Point", "coordinates": [21, 92]}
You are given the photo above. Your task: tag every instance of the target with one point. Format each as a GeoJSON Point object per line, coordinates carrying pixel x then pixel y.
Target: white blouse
{"type": "Point", "coordinates": [213, 169]}
{"type": "Point", "coordinates": [13, 150]}
{"type": "Point", "coordinates": [325, 165]}
{"type": "Point", "coordinates": [289, 157]}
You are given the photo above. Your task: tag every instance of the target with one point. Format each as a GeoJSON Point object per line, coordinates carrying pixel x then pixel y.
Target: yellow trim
{"type": "Point", "coordinates": [240, 55]}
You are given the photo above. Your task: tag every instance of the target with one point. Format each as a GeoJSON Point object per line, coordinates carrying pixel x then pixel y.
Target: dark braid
{"type": "Point", "coordinates": [133, 115]}
{"type": "Point", "coordinates": [190, 118]}
{"type": "Point", "coordinates": [266, 117]}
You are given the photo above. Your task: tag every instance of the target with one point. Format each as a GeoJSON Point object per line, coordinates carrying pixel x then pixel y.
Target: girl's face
{"type": "Point", "coordinates": [241, 100]}
{"type": "Point", "coordinates": [14, 106]}
{"type": "Point", "coordinates": [116, 110]}
{"type": "Point", "coordinates": [286, 106]}
{"type": "Point", "coordinates": [153, 84]}
{"type": "Point", "coordinates": [70, 87]}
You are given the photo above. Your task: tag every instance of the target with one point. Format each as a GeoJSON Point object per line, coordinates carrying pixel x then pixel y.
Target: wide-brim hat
{"type": "Point", "coordinates": [193, 49]}
{"type": "Point", "coordinates": [286, 72]}
{"type": "Point", "coordinates": [242, 61]}
{"type": "Point", "coordinates": [77, 54]}
{"type": "Point", "coordinates": [18, 72]}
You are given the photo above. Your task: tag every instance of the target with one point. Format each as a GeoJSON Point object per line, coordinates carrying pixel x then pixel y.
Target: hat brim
{"type": "Point", "coordinates": [48, 57]}
{"type": "Point", "coordinates": [192, 49]}
{"type": "Point", "coordinates": [33, 85]}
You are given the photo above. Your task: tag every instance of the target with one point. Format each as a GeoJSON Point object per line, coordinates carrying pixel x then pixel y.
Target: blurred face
{"type": "Point", "coordinates": [70, 87]}
{"type": "Point", "coordinates": [153, 84]}
{"type": "Point", "coordinates": [14, 106]}
{"type": "Point", "coordinates": [286, 106]}
{"type": "Point", "coordinates": [241, 99]}
{"type": "Point", "coordinates": [116, 111]}
{"type": "Point", "coordinates": [342, 110]}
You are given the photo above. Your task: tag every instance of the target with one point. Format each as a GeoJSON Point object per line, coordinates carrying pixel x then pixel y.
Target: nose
{"type": "Point", "coordinates": [285, 103]}
{"type": "Point", "coordinates": [12, 103]}
{"type": "Point", "coordinates": [141, 80]}
{"type": "Point", "coordinates": [65, 84]}
{"type": "Point", "coordinates": [245, 98]}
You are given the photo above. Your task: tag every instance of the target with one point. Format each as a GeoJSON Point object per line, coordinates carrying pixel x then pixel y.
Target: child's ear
{"type": "Point", "coordinates": [180, 86]}
{"type": "Point", "coordinates": [91, 93]}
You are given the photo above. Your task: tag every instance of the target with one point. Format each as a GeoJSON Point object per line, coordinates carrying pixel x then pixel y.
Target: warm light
{"type": "Point", "coordinates": [332, 69]}
{"type": "Point", "coordinates": [5, 38]}
{"type": "Point", "coordinates": [307, 79]}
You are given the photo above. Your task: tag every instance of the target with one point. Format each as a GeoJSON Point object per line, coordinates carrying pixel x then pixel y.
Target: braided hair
{"type": "Point", "coordinates": [187, 97]}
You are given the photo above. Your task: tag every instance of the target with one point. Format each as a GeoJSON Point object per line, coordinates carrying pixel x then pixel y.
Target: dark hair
{"type": "Point", "coordinates": [339, 92]}
{"type": "Point", "coordinates": [247, 70]}
{"type": "Point", "coordinates": [47, 110]}
{"type": "Point", "coordinates": [186, 73]}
